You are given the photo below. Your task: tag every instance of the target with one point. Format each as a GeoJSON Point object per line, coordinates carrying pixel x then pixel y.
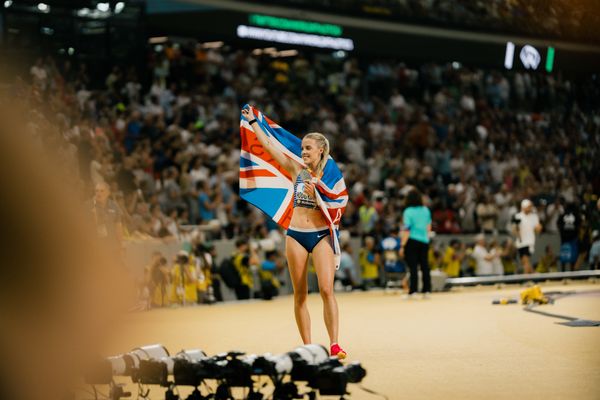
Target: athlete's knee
{"type": "Point", "coordinates": [300, 297]}
{"type": "Point", "coordinates": [326, 291]}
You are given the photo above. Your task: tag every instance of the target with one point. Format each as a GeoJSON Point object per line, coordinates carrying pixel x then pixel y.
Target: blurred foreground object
{"type": "Point", "coordinates": [61, 292]}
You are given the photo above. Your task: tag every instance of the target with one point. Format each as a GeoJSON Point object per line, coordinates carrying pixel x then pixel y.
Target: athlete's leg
{"type": "Point", "coordinates": [324, 265]}
{"type": "Point", "coordinates": [297, 258]}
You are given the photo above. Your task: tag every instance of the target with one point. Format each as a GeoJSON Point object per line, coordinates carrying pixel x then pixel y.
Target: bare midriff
{"type": "Point", "coordinates": [306, 218]}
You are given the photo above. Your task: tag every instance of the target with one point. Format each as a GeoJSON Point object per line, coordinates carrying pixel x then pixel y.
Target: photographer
{"type": "Point", "coordinates": [157, 279]}
{"type": "Point", "coordinates": [243, 258]}
{"type": "Point", "coordinates": [184, 280]}
{"type": "Point", "coordinates": [369, 261]}
{"type": "Point", "coordinates": [209, 283]}
{"type": "Point", "coordinates": [453, 257]}
{"type": "Point", "coordinates": [269, 284]}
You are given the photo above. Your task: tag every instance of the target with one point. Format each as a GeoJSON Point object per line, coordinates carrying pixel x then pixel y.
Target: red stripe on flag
{"type": "Point", "coordinates": [343, 193]}
{"type": "Point", "coordinates": [255, 173]}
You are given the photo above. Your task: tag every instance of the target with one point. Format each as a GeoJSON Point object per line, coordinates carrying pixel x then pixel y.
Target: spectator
{"type": "Point", "coordinates": [269, 284]}
{"type": "Point", "coordinates": [452, 259]}
{"type": "Point", "coordinates": [207, 201]}
{"type": "Point", "coordinates": [526, 225]}
{"type": "Point", "coordinates": [498, 252]}
{"type": "Point", "coordinates": [553, 213]}
{"type": "Point", "coordinates": [367, 216]}
{"type": "Point", "coordinates": [394, 268]}
{"type": "Point", "coordinates": [345, 274]}
{"type": "Point", "coordinates": [569, 225]}
{"type": "Point", "coordinates": [107, 215]}
{"type": "Point", "coordinates": [487, 214]}
{"type": "Point", "coordinates": [503, 199]}
{"type": "Point", "coordinates": [390, 249]}
{"type": "Point", "coordinates": [39, 75]}
{"type": "Point", "coordinates": [483, 257]}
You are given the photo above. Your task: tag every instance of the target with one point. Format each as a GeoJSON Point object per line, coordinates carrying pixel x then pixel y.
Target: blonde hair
{"type": "Point", "coordinates": [322, 143]}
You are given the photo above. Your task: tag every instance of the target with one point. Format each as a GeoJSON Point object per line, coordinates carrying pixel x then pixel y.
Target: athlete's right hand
{"type": "Point", "coordinates": [247, 114]}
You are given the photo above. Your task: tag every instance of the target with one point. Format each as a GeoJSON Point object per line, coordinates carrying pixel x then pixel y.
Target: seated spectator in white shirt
{"type": "Point", "coordinates": [484, 258]}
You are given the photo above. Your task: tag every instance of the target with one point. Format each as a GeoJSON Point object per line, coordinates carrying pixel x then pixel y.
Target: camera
{"type": "Point", "coordinates": [232, 368]}
{"type": "Point", "coordinates": [126, 364]}
{"type": "Point", "coordinates": [332, 378]}
{"type": "Point", "coordinates": [152, 365]}
{"type": "Point", "coordinates": [273, 365]}
{"type": "Point", "coordinates": [157, 371]}
{"type": "Point", "coordinates": [305, 360]}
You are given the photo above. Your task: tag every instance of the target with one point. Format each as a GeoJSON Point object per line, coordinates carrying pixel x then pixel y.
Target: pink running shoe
{"type": "Point", "coordinates": [336, 350]}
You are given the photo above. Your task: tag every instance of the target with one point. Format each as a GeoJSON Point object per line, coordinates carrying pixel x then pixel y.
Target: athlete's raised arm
{"type": "Point", "coordinates": [289, 165]}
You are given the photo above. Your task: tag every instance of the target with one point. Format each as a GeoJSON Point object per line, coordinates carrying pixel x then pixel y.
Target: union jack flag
{"type": "Point", "coordinates": [268, 186]}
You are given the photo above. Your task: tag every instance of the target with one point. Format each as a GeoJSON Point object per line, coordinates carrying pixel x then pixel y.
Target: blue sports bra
{"type": "Point", "coordinates": [301, 199]}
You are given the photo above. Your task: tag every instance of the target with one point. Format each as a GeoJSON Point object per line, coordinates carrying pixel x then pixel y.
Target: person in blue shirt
{"type": "Point", "coordinates": [390, 247]}
{"type": "Point", "coordinates": [206, 205]}
{"type": "Point", "coordinates": [393, 265]}
{"type": "Point", "coordinates": [415, 241]}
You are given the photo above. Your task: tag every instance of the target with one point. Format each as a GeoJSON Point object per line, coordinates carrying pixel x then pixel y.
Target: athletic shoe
{"type": "Point", "coordinates": [411, 296]}
{"type": "Point", "coordinates": [336, 350]}
{"type": "Point", "coordinates": [426, 295]}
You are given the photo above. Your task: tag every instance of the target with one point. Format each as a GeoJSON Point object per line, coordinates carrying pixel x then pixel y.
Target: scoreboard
{"type": "Point", "coordinates": [409, 43]}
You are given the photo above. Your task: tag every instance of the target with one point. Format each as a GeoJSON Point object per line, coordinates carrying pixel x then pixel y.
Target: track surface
{"type": "Point", "coordinates": [453, 346]}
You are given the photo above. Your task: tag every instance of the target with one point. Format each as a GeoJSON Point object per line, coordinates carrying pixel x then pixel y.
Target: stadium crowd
{"type": "Point", "coordinates": [475, 142]}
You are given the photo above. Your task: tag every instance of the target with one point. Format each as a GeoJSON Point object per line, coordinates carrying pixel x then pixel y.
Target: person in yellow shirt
{"type": "Point", "coordinates": [204, 265]}
{"type": "Point", "coordinates": [434, 257]}
{"type": "Point", "coordinates": [368, 260]}
{"type": "Point", "coordinates": [243, 258]}
{"type": "Point", "coordinates": [157, 280]}
{"type": "Point", "coordinates": [452, 258]}
{"type": "Point", "coordinates": [509, 257]}
{"type": "Point", "coordinates": [184, 280]}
